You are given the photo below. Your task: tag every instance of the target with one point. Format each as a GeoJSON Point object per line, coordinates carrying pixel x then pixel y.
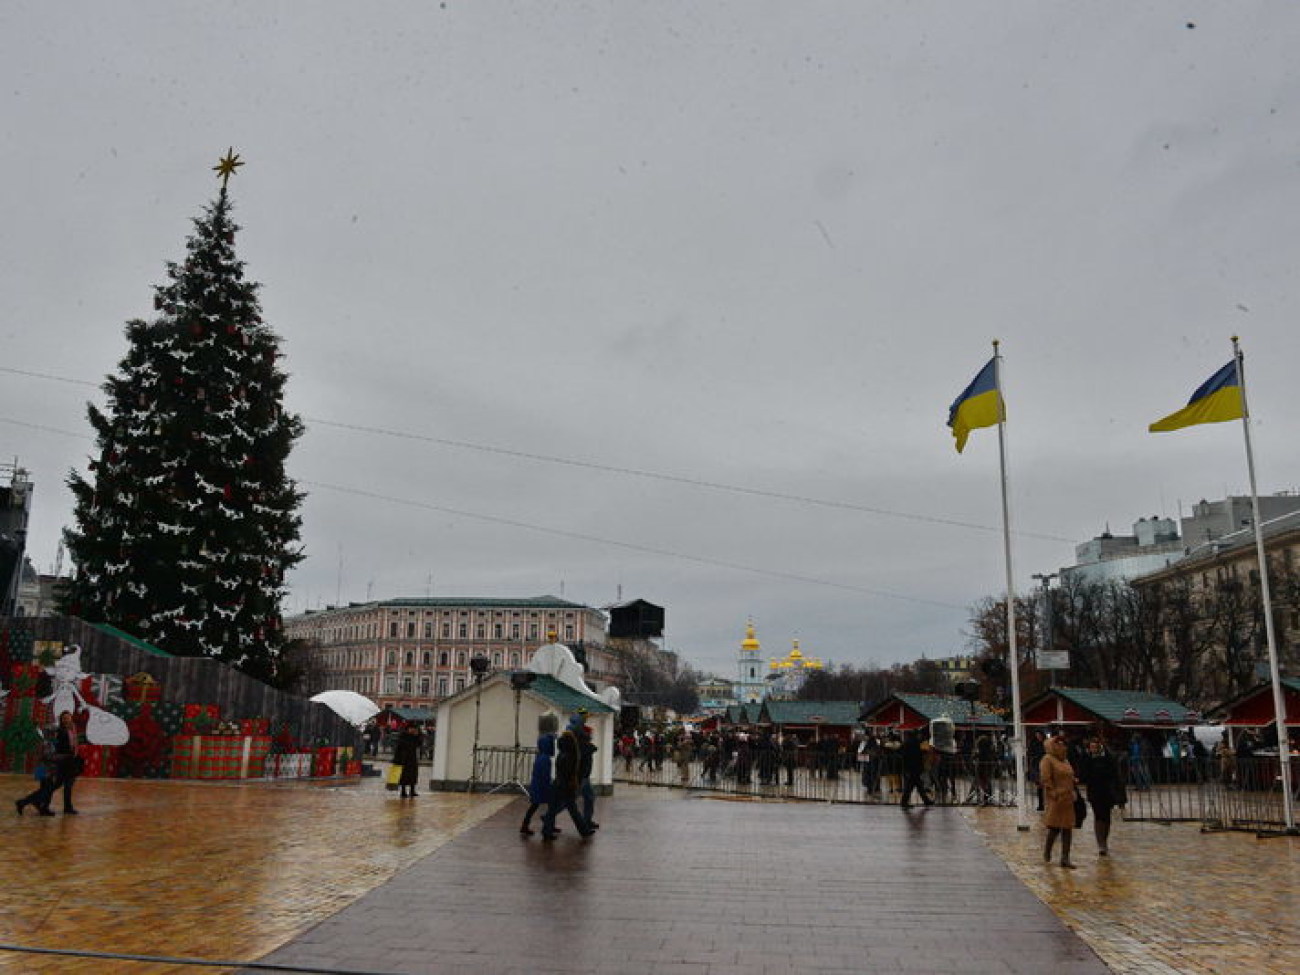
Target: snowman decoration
{"type": "Point", "coordinates": [102, 728]}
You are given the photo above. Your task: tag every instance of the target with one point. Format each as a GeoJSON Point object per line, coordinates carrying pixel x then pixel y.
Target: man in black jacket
{"type": "Point", "coordinates": [913, 765]}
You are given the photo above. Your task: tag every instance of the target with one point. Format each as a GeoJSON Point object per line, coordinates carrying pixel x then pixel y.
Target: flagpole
{"type": "Point", "coordinates": [1018, 739]}
{"type": "Point", "coordinates": [1279, 700]}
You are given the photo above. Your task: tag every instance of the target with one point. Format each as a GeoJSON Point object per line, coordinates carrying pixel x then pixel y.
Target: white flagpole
{"type": "Point", "coordinates": [1279, 700]}
{"type": "Point", "coordinates": [1018, 739]}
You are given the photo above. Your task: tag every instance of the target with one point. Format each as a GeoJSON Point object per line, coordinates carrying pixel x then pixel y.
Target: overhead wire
{"type": "Point", "coordinates": [616, 469]}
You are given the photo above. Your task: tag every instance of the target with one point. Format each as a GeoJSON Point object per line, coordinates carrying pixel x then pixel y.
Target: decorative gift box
{"type": "Point", "coordinates": [142, 688]}
{"type": "Point", "coordinates": [326, 760]}
{"type": "Point", "coordinates": [219, 756]}
{"type": "Point", "coordinates": [255, 726]}
{"type": "Point", "coordinates": [200, 719]}
{"type": "Point", "coordinates": [101, 760]}
{"type": "Point", "coordinates": [295, 765]}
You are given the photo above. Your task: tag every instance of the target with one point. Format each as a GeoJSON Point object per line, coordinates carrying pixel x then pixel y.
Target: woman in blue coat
{"type": "Point", "coordinates": [539, 786]}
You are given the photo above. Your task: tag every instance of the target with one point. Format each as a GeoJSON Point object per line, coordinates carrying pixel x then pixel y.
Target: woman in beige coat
{"type": "Point", "coordinates": [1058, 781]}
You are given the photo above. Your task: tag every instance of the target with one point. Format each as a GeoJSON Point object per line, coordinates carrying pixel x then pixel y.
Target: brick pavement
{"type": "Point", "coordinates": [1169, 898]}
{"type": "Point", "coordinates": [685, 885]}
{"type": "Point", "coordinates": [202, 870]}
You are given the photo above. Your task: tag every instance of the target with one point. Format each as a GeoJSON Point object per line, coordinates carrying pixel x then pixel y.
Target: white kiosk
{"type": "Point", "coordinates": [497, 717]}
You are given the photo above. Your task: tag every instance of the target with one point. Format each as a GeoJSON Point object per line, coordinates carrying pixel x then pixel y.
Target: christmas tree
{"type": "Point", "coordinates": [187, 523]}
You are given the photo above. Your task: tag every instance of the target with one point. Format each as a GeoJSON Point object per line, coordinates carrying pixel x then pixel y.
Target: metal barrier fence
{"type": "Point", "coordinates": [496, 769]}
{"type": "Point", "coordinates": [955, 780]}
{"type": "Point", "coordinates": [1236, 794]}
{"type": "Point", "coordinates": [1246, 794]}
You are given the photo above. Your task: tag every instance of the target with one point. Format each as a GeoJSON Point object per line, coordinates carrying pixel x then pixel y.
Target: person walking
{"type": "Point", "coordinates": [913, 761]}
{"type": "Point", "coordinates": [406, 753]}
{"type": "Point", "coordinates": [586, 759]}
{"type": "Point", "coordinates": [40, 796]}
{"type": "Point", "coordinates": [1100, 774]}
{"type": "Point", "coordinates": [564, 787]}
{"type": "Point", "coordinates": [66, 760]}
{"type": "Point", "coordinates": [539, 786]}
{"type": "Point", "coordinates": [1058, 782]}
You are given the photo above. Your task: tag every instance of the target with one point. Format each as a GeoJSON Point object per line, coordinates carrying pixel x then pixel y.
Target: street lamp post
{"type": "Point", "coordinates": [1048, 636]}
{"type": "Point", "coordinates": [480, 666]}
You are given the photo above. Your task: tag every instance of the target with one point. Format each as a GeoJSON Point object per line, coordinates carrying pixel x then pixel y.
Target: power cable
{"type": "Point", "coordinates": [564, 533]}
{"type": "Point", "coordinates": [632, 546]}
{"type": "Point", "coordinates": [614, 469]}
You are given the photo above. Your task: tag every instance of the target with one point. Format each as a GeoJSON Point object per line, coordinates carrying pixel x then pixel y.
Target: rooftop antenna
{"type": "Point", "coordinates": [338, 597]}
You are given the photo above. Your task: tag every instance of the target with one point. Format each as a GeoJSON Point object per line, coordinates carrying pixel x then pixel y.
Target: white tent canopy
{"type": "Point", "coordinates": [352, 707]}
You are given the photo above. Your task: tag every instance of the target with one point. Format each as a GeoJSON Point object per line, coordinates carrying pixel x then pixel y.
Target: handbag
{"type": "Point", "coordinates": [1080, 809]}
{"type": "Point", "coordinates": [394, 777]}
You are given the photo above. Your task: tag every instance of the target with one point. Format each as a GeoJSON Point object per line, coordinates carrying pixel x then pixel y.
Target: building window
{"type": "Point", "coordinates": [480, 631]}
{"type": "Point", "coordinates": [496, 660]}
{"type": "Point", "coordinates": [392, 630]}
{"type": "Point", "coordinates": [442, 686]}
{"type": "Point", "coordinates": [409, 659]}
{"type": "Point", "coordinates": [514, 631]}
{"type": "Point", "coordinates": [460, 659]}
{"type": "Point", "coordinates": [446, 631]}
{"type": "Point", "coordinates": [514, 659]}
{"type": "Point", "coordinates": [463, 630]}
{"type": "Point", "coordinates": [460, 684]}
{"type": "Point", "coordinates": [496, 631]}
{"type": "Point", "coordinates": [406, 685]}
{"type": "Point", "coordinates": [390, 684]}
{"type": "Point", "coordinates": [532, 631]}
{"type": "Point", "coordinates": [428, 631]}
{"type": "Point", "coordinates": [568, 631]}
{"type": "Point", "coordinates": [392, 658]}
{"type": "Point", "coordinates": [410, 629]}
{"type": "Point", "coordinates": [424, 687]}
{"type": "Point", "coordinates": [442, 659]}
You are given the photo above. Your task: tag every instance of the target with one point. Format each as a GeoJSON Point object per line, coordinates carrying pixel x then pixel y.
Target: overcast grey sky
{"type": "Point", "coordinates": [760, 245]}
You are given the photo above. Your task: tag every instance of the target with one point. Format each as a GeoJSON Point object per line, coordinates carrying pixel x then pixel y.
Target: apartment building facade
{"type": "Point", "coordinates": [413, 652]}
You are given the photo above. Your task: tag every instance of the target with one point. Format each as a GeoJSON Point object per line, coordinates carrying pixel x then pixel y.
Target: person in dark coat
{"type": "Point", "coordinates": [565, 785]}
{"type": "Point", "coordinates": [586, 760]}
{"type": "Point", "coordinates": [66, 758]}
{"type": "Point", "coordinates": [1099, 771]}
{"type": "Point", "coordinates": [913, 761]}
{"type": "Point", "coordinates": [539, 786]}
{"type": "Point", "coordinates": [406, 753]}
{"type": "Point", "coordinates": [40, 796]}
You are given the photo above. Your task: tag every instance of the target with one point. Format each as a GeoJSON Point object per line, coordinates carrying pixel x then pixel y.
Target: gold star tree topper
{"type": "Point", "coordinates": [227, 166]}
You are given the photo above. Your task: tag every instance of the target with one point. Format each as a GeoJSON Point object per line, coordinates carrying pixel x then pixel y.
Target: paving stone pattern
{"type": "Point", "coordinates": [706, 888]}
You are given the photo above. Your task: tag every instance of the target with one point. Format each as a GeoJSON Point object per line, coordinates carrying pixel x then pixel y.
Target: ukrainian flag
{"type": "Point", "coordinates": [1216, 400]}
{"type": "Point", "coordinates": [979, 405]}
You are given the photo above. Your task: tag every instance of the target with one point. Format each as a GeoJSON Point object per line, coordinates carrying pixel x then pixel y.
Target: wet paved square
{"type": "Point", "coordinates": [352, 877]}
{"type": "Point", "coordinates": [706, 888]}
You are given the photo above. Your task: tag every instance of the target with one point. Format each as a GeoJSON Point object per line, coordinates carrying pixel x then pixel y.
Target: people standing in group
{"type": "Point", "coordinates": [789, 756]}
{"type": "Point", "coordinates": [1059, 791]}
{"type": "Point", "coordinates": [1138, 769]}
{"type": "Point", "coordinates": [566, 783]}
{"type": "Point", "coordinates": [682, 753]}
{"type": "Point", "coordinates": [1101, 775]}
{"type": "Point", "coordinates": [912, 758]}
{"type": "Point", "coordinates": [406, 753]}
{"type": "Point", "coordinates": [539, 785]}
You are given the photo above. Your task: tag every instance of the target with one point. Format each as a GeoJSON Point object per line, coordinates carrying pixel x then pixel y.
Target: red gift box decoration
{"type": "Point", "coordinates": [255, 726]}
{"type": "Point", "coordinates": [200, 719]}
{"type": "Point", "coordinates": [143, 688]}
